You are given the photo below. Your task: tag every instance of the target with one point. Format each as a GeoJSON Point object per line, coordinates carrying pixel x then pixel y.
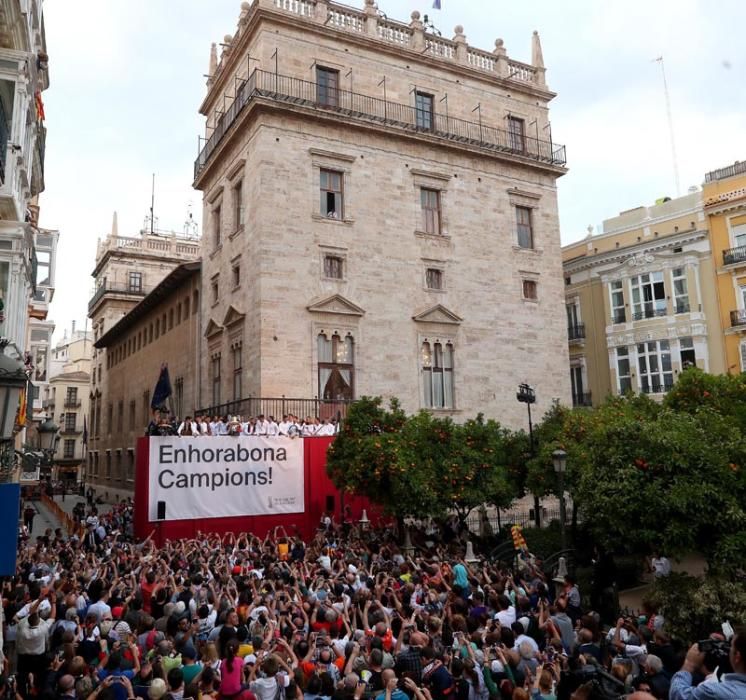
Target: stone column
{"type": "Point", "coordinates": [462, 48]}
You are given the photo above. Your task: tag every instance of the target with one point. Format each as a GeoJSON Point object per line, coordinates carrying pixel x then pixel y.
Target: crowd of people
{"type": "Point", "coordinates": [346, 615]}
{"type": "Point", "coordinates": [263, 426]}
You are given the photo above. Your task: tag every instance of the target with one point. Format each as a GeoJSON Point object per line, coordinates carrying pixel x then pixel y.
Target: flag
{"type": "Point", "coordinates": [436, 4]}
{"type": "Point", "coordinates": [518, 541]}
{"type": "Point", "coordinates": [162, 388]}
{"type": "Point", "coordinates": [85, 430]}
{"type": "Point", "coordinates": [40, 105]}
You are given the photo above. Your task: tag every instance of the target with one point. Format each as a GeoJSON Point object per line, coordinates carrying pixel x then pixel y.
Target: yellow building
{"type": "Point", "coordinates": [641, 305]}
{"type": "Point", "coordinates": [724, 194]}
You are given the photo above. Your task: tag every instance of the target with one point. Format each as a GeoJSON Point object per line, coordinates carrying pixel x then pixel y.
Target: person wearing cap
{"type": "Point", "coordinates": [190, 666]}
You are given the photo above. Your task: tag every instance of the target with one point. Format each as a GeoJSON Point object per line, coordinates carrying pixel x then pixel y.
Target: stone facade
{"type": "Point", "coordinates": [640, 300]}
{"type": "Point", "coordinates": [308, 293]}
{"type": "Point", "coordinates": [162, 328]}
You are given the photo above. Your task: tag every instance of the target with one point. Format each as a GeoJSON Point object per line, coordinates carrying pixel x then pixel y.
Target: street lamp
{"type": "Point", "coordinates": [527, 395]}
{"type": "Point", "coordinates": [48, 439]}
{"type": "Point", "coordinates": [559, 459]}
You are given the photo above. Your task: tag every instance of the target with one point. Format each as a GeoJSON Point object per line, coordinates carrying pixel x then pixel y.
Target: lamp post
{"type": "Point", "coordinates": [559, 459]}
{"type": "Point", "coordinates": [527, 395]}
{"type": "Point", "coordinates": [48, 439]}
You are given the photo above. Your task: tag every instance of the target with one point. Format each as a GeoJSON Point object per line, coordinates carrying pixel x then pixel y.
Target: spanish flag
{"type": "Point", "coordinates": [22, 408]}
{"type": "Point", "coordinates": [39, 106]}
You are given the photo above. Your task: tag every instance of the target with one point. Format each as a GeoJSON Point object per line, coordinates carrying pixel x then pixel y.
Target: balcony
{"type": "Point", "coordinates": [71, 430]}
{"type": "Point", "coordinates": [581, 400]}
{"type": "Point", "coordinates": [72, 403]}
{"type": "Point", "coordinates": [656, 386]}
{"type": "Point", "coordinates": [279, 407]}
{"type": "Point", "coordinates": [738, 318]}
{"type": "Point", "coordinates": [576, 332]}
{"type": "Point", "coordinates": [135, 292]}
{"type": "Point", "coordinates": [649, 311]}
{"type": "Point", "coordinates": [364, 109]}
{"type": "Point", "coordinates": [738, 168]}
{"type": "Point", "coordinates": [735, 256]}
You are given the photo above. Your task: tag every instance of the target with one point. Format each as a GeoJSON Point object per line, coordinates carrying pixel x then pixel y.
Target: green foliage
{"type": "Point", "coordinates": [694, 607]}
{"type": "Point", "coordinates": [421, 465]}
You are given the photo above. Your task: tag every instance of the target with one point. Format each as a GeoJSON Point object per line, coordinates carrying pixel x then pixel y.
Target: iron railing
{"type": "Point", "coordinates": [582, 399]}
{"type": "Point", "coordinates": [738, 168]}
{"type": "Point", "coordinates": [104, 288]}
{"type": "Point", "coordinates": [734, 255]}
{"type": "Point", "coordinates": [656, 386]}
{"type": "Point", "coordinates": [576, 332]}
{"type": "Point", "coordinates": [364, 108]}
{"type": "Point", "coordinates": [738, 317]}
{"type": "Point", "coordinates": [324, 409]}
{"type": "Point", "coordinates": [649, 311]}
{"type": "Point", "coordinates": [72, 403]}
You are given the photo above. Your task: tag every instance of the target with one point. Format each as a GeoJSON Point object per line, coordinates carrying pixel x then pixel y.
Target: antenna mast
{"type": "Point", "coordinates": [670, 126]}
{"type": "Point", "coordinates": [152, 205]}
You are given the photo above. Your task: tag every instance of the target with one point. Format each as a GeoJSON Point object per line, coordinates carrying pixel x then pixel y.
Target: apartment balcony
{"type": "Point", "coordinates": [657, 387]}
{"type": "Point", "coordinates": [72, 403]}
{"type": "Point", "coordinates": [738, 318]}
{"type": "Point", "coordinates": [576, 333]}
{"type": "Point", "coordinates": [71, 430]}
{"type": "Point", "coordinates": [649, 311]}
{"type": "Point", "coordinates": [356, 108]}
{"type": "Point", "coordinates": [582, 400]}
{"type": "Point", "coordinates": [282, 406]}
{"type": "Point", "coordinates": [107, 289]}
{"type": "Point", "coordinates": [735, 256]}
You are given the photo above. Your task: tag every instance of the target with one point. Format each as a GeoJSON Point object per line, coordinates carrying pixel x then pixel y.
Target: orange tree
{"type": "Point", "coordinates": [420, 465]}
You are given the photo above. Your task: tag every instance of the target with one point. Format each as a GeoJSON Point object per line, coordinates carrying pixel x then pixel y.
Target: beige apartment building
{"type": "Point", "coordinates": [640, 300]}
{"type": "Point", "coordinates": [380, 216]}
{"type": "Point", "coordinates": [162, 328]}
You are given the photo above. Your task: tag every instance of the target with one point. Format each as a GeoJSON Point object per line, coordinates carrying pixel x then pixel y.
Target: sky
{"type": "Point", "coordinates": [127, 78]}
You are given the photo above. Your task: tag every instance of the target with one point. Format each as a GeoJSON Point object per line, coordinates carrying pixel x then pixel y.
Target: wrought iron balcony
{"type": "Point", "coordinates": [656, 386]}
{"type": "Point", "coordinates": [582, 399]}
{"type": "Point", "coordinates": [352, 106]}
{"type": "Point", "coordinates": [279, 407]}
{"type": "Point", "coordinates": [738, 318]}
{"type": "Point", "coordinates": [71, 430]}
{"type": "Point", "coordinates": [576, 332]}
{"type": "Point", "coordinates": [649, 311]}
{"type": "Point", "coordinates": [734, 256]}
{"type": "Point", "coordinates": [72, 403]}
{"type": "Point", "coordinates": [110, 289]}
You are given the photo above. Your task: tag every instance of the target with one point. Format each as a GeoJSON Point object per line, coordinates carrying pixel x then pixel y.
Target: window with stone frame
{"type": "Point", "coordinates": [336, 367]}
{"type": "Point", "coordinates": [334, 267]}
{"type": "Point", "coordinates": [524, 227]}
{"type": "Point", "coordinates": [238, 208]}
{"type": "Point", "coordinates": [215, 379]}
{"type": "Point", "coordinates": [331, 184]}
{"type": "Point", "coordinates": [434, 278]}
{"type": "Point", "coordinates": [68, 449]}
{"type": "Point", "coordinates": [530, 290]}
{"type": "Point", "coordinates": [430, 205]}
{"type": "Point", "coordinates": [237, 356]}
{"type": "Point", "coordinates": [437, 374]}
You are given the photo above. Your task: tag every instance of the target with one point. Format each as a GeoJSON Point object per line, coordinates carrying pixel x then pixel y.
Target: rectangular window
{"type": "Point", "coordinates": [133, 415]}
{"type": "Point", "coordinates": [530, 290]}
{"type": "Point", "coordinates": [170, 318]}
{"type": "Point", "coordinates": [623, 370]}
{"type": "Point", "coordinates": [215, 291]}
{"type": "Point", "coordinates": [654, 362]}
{"type": "Point", "coordinates": [332, 195]}
{"type": "Point", "coordinates": [179, 396]}
{"type": "Point", "coordinates": [524, 228]}
{"type": "Point", "coordinates": [69, 449]}
{"type": "Point", "coordinates": [430, 204]}
{"type": "Point", "coordinates": [71, 397]}
{"type": "Point", "coordinates": [680, 290]}
{"type": "Point", "coordinates": [687, 354]}
{"type": "Point", "coordinates": [333, 267]}
{"type": "Point", "coordinates": [424, 110]}
{"type": "Point", "coordinates": [215, 377]}
{"type": "Point", "coordinates": [120, 416]}
{"type": "Point", "coordinates": [437, 375]}
{"type": "Point", "coordinates": [434, 278]}
{"type": "Point", "coordinates": [648, 296]}
{"type": "Point", "coordinates": [216, 227]}
{"type": "Point", "coordinates": [327, 86]}
{"type": "Point", "coordinates": [238, 205]}
{"type": "Point", "coordinates": [146, 405]}
{"type": "Point", "coordinates": [110, 418]}
{"type": "Point", "coordinates": [236, 273]}
{"type": "Point", "coordinates": [70, 420]}
{"type": "Point", "coordinates": [739, 236]}
{"type": "Point", "coordinates": [130, 465]}
{"type": "Point", "coordinates": [618, 313]}
{"type": "Point", "coordinates": [576, 382]}
{"type": "Point", "coordinates": [517, 134]}
{"type": "Point", "coordinates": [134, 283]}
{"type": "Point", "coordinates": [336, 366]}
{"type": "Point", "coordinates": [237, 373]}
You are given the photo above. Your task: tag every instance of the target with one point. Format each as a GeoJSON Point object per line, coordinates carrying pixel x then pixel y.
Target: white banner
{"type": "Point", "coordinates": [219, 477]}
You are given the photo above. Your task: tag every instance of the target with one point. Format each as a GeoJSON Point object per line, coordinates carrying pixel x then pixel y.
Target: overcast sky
{"type": "Point", "coordinates": [127, 80]}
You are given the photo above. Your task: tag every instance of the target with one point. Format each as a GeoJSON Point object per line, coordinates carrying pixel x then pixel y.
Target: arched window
{"type": "Point", "coordinates": [437, 374]}
{"type": "Point", "coordinates": [336, 367]}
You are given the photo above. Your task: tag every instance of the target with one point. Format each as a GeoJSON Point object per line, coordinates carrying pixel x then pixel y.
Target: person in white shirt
{"type": "Point", "coordinates": [188, 428]}
{"type": "Point", "coordinates": [506, 614]}
{"type": "Point", "coordinates": [660, 565]}
{"type": "Point", "coordinates": [262, 425]}
{"type": "Point", "coordinates": [32, 633]}
{"type": "Point", "coordinates": [326, 428]}
{"type": "Point", "coordinates": [284, 426]}
{"type": "Point", "coordinates": [272, 427]}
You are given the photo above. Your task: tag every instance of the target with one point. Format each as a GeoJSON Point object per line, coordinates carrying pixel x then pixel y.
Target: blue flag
{"type": "Point", "coordinates": [162, 388]}
{"type": "Point", "coordinates": [436, 4]}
